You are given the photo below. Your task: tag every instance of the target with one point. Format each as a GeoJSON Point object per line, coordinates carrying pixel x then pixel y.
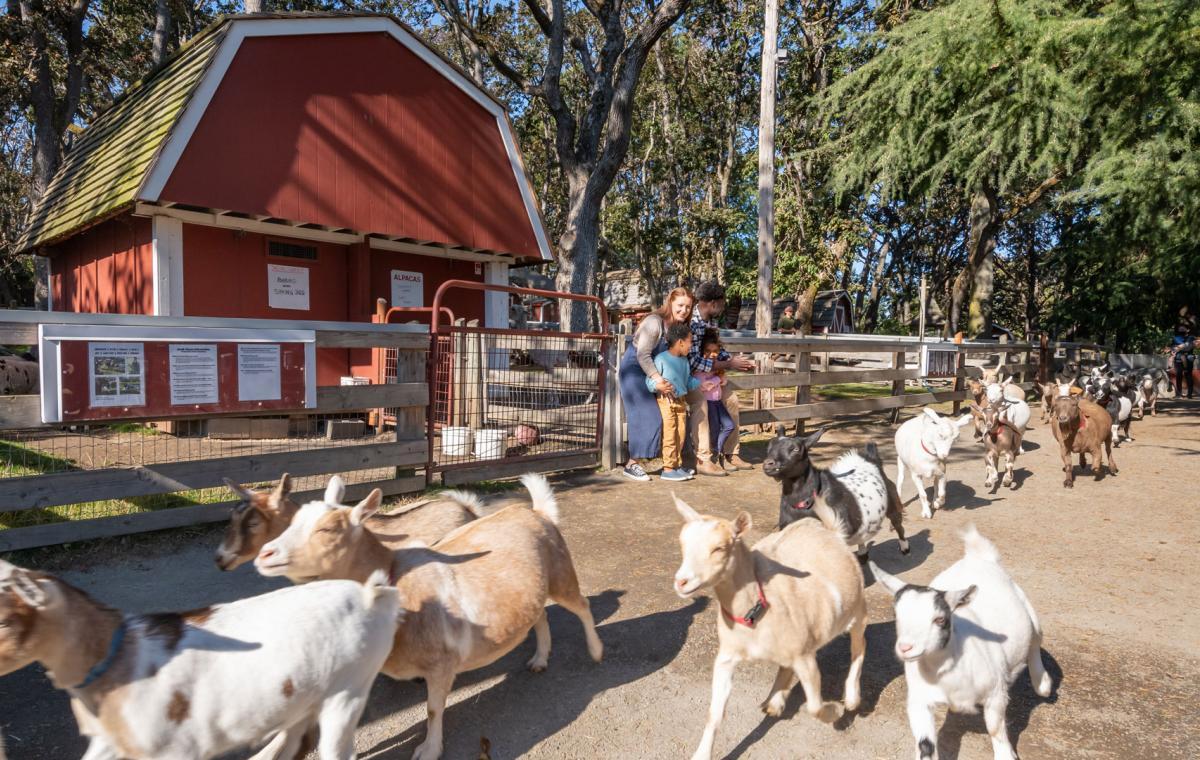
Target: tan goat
{"type": "Point", "coordinates": [262, 516]}
{"type": "Point", "coordinates": [780, 601]}
{"type": "Point", "coordinates": [470, 599]}
{"type": "Point", "coordinates": [1081, 427]}
{"type": "Point", "coordinates": [1001, 438]}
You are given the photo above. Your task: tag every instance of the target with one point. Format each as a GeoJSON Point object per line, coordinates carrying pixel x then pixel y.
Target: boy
{"type": "Point", "coordinates": [720, 422]}
{"type": "Point", "coordinates": [672, 364]}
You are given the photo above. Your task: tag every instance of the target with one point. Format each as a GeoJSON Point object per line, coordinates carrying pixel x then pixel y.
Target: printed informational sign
{"type": "Point", "coordinates": [287, 287]}
{"type": "Point", "coordinates": [258, 372]}
{"type": "Point", "coordinates": [193, 368]}
{"type": "Point", "coordinates": [118, 374]}
{"type": "Point", "coordinates": [408, 288]}
{"type": "Point", "coordinates": [936, 362]}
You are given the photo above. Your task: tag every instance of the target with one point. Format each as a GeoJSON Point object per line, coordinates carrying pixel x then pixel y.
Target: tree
{"type": "Point", "coordinates": [586, 79]}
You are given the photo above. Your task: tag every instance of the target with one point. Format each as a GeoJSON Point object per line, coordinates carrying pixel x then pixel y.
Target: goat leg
{"type": "Point", "coordinates": [722, 684]}
{"type": "Point", "coordinates": [1069, 473]}
{"type": "Point", "coordinates": [785, 679]}
{"type": "Point", "coordinates": [895, 514]}
{"type": "Point", "coordinates": [993, 716]}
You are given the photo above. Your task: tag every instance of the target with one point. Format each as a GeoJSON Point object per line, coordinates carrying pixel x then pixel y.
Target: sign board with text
{"type": "Point", "coordinates": [116, 372]}
{"type": "Point", "coordinates": [408, 288]}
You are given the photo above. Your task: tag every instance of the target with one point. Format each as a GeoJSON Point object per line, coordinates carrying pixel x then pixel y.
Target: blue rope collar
{"type": "Point", "coordinates": [100, 668]}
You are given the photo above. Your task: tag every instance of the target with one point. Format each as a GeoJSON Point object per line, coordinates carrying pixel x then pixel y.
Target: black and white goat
{"type": "Point", "coordinates": [1117, 399]}
{"type": "Point", "coordinates": [854, 487]}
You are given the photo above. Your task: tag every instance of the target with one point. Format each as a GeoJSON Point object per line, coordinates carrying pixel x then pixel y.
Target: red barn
{"type": "Point", "coordinates": [291, 166]}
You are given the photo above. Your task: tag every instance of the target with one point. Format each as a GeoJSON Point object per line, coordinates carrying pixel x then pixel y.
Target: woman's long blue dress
{"type": "Point", "coordinates": [642, 416]}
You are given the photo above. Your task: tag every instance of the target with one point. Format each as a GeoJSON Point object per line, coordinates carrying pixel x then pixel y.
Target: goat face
{"type": "Point", "coordinates": [707, 543]}
{"type": "Point", "coordinates": [924, 615]}
{"type": "Point", "coordinates": [1066, 410]}
{"type": "Point", "coordinates": [260, 517]}
{"type": "Point", "coordinates": [22, 597]}
{"type": "Point", "coordinates": [788, 457]}
{"type": "Point", "coordinates": [322, 537]}
{"type": "Point", "coordinates": [938, 434]}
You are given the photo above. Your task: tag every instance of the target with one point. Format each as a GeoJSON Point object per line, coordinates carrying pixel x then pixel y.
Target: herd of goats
{"type": "Point", "coordinates": [451, 584]}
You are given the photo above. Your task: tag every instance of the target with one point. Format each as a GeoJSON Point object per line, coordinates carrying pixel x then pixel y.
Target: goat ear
{"type": "Point", "coordinates": [335, 491]}
{"type": "Point", "coordinates": [366, 507]}
{"type": "Point", "coordinates": [886, 579]}
{"type": "Point", "coordinates": [240, 492]}
{"type": "Point", "coordinates": [975, 408]}
{"type": "Point", "coordinates": [963, 421]}
{"type": "Point", "coordinates": [741, 524]}
{"type": "Point", "coordinates": [685, 511]}
{"type": "Point", "coordinates": [282, 489]}
{"type": "Point", "coordinates": [27, 588]}
{"type": "Point", "coordinates": [810, 441]}
{"type": "Point", "coordinates": [958, 598]}
{"type": "Point", "coordinates": [931, 414]}
{"type": "Point", "coordinates": [780, 430]}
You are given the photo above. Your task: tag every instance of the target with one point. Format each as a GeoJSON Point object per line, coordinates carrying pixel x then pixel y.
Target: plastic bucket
{"type": "Point", "coordinates": [456, 441]}
{"type": "Point", "coordinates": [489, 444]}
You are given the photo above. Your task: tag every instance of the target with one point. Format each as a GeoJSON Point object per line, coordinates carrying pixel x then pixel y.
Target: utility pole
{"type": "Point", "coordinates": [766, 171]}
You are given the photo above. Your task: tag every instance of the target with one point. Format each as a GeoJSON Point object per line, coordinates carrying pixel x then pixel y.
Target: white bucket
{"type": "Point", "coordinates": [489, 444]}
{"type": "Point", "coordinates": [456, 441]}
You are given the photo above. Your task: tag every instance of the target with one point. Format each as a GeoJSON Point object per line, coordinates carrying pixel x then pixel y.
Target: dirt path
{"type": "Point", "coordinates": [1110, 567]}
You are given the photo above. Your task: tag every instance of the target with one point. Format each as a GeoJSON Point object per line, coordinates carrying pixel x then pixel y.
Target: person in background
{"type": "Point", "coordinates": [637, 365]}
{"type": "Point", "coordinates": [710, 303]}
{"type": "Point", "coordinates": [720, 424]}
{"type": "Point", "coordinates": [787, 322]}
{"type": "Point", "coordinates": [1183, 353]}
{"type": "Point", "coordinates": [672, 364]}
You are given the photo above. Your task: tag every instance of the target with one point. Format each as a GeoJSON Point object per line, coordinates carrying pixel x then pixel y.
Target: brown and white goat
{"type": "Point", "coordinates": [1001, 438]}
{"type": "Point", "coordinates": [262, 516]}
{"type": "Point", "coordinates": [780, 601]}
{"type": "Point", "coordinates": [1081, 427]}
{"type": "Point", "coordinates": [469, 599]}
{"type": "Point", "coordinates": [1049, 392]}
{"type": "Point", "coordinates": [199, 684]}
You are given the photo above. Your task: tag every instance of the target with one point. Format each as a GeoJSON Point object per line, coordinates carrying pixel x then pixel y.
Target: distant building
{"type": "Point", "coordinates": [833, 312]}
{"type": "Point", "coordinates": [626, 296]}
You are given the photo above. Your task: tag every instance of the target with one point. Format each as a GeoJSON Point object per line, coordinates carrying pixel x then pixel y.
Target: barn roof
{"type": "Point", "coordinates": [125, 158]}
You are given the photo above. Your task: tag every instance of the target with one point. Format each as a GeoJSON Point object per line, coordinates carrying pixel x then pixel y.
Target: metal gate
{"type": "Point", "coordinates": [505, 401]}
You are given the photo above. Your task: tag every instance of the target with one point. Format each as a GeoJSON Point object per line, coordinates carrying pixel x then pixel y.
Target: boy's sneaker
{"type": "Point", "coordinates": [675, 475]}
{"type": "Point", "coordinates": [691, 472]}
{"type": "Point", "coordinates": [634, 471]}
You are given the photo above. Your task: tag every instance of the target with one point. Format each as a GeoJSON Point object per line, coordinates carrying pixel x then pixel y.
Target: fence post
{"type": "Point", "coordinates": [613, 437]}
{"type": "Point", "coordinates": [959, 369]}
{"type": "Point", "coordinates": [803, 392]}
{"type": "Point", "coordinates": [1044, 367]}
{"type": "Point", "coordinates": [897, 384]}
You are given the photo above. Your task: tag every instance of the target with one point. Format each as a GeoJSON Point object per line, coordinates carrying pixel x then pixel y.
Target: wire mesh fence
{"type": "Point", "coordinates": [514, 394]}
{"type": "Point", "coordinates": [28, 453]}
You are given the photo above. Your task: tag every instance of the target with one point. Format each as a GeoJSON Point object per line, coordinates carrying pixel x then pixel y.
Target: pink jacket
{"type": "Point", "coordinates": [704, 377]}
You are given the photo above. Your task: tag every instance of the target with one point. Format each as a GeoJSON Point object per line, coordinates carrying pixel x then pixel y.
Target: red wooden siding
{"type": "Point", "coordinates": [105, 269]}
{"type": "Point", "coordinates": [355, 131]}
{"type": "Point", "coordinates": [225, 275]}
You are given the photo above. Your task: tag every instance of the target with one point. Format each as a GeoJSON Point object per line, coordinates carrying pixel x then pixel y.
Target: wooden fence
{"type": "Point", "coordinates": [803, 365]}
{"type": "Point", "coordinates": [50, 466]}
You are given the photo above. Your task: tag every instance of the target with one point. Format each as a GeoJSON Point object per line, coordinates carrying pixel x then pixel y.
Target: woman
{"type": "Point", "coordinates": [641, 408]}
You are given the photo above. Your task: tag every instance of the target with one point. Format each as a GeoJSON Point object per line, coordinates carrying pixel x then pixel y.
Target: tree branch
{"type": "Point", "coordinates": [1022, 202]}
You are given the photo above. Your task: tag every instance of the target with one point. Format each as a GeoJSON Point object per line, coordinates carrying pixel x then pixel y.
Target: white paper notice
{"type": "Point", "coordinates": [408, 288]}
{"type": "Point", "coordinates": [194, 374]}
{"type": "Point", "coordinates": [118, 374]}
{"type": "Point", "coordinates": [258, 372]}
{"type": "Point", "coordinates": [287, 287]}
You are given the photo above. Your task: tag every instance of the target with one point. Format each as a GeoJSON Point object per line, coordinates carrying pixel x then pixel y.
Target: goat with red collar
{"type": "Point", "coordinates": [855, 488]}
{"type": "Point", "coordinates": [779, 602]}
{"type": "Point", "coordinates": [922, 448]}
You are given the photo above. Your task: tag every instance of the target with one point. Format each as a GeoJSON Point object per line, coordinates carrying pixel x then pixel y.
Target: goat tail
{"type": "Point", "coordinates": [379, 588]}
{"type": "Point", "coordinates": [832, 521]}
{"type": "Point", "coordinates": [979, 547]}
{"type": "Point", "coordinates": [465, 499]}
{"type": "Point", "coordinates": [539, 489]}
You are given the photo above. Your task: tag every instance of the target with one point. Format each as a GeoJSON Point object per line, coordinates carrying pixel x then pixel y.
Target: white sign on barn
{"type": "Point", "coordinates": [287, 287]}
{"type": "Point", "coordinates": [408, 288]}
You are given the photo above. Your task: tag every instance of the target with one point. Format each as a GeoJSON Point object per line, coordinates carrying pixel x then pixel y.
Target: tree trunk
{"type": "Point", "coordinates": [254, 6]}
{"type": "Point", "coordinates": [979, 312]}
{"type": "Point", "coordinates": [162, 31]}
{"type": "Point", "coordinates": [804, 308]}
{"type": "Point", "coordinates": [1031, 283]}
{"type": "Point", "coordinates": [578, 249]}
{"type": "Point", "coordinates": [981, 242]}
{"type": "Point", "coordinates": [766, 174]}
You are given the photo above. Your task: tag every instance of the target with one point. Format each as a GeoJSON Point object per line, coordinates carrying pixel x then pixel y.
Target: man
{"type": "Point", "coordinates": [710, 303]}
{"type": "Point", "coordinates": [1183, 346]}
{"type": "Point", "coordinates": [787, 322]}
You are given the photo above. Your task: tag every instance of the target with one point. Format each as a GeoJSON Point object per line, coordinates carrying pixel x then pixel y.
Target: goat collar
{"type": "Point", "coordinates": [102, 667]}
{"type": "Point", "coordinates": [995, 431]}
{"type": "Point", "coordinates": [755, 613]}
{"type": "Point", "coordinates": [1082, 420]}
{"type": "Point", "coordinates": [926, 449]}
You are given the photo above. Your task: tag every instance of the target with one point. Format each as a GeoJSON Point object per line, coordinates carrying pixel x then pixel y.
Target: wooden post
{"type": "Point", "coordinates": [898, 383]}
{"type": "Point", "coordinates": [803, 392]}
{"type": "Point", "coordinates": [1044, 368]}
{"type": "Point", "coordinates": [613, 435]}
{"type": "Point", "coordinates": [766, 180]}
{"type": "Point", "coordinates": [960, 365]}
{"type": "Point", "coordinates": [379, 363]}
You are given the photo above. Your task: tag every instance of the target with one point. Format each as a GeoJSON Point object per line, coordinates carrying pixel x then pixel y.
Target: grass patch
{"type": "Point", "coordinates": [133, 427]}
{"type": "Point", "coordinates": [18, 460]}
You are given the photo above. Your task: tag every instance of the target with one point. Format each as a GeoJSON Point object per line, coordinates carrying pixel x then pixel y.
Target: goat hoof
{"type": "Point", "coordinates": [773, 707]}
{"type": "Point", "coordinates": [927, 513]}
{"type": "Point", "coordinates": [830, 712]}
{"type": "Point", "coordinates": [904, 547]}
{"type": "Point", "coordinates": [537, 665]}
{"type": "Point", "coordinates": [1068, 484]}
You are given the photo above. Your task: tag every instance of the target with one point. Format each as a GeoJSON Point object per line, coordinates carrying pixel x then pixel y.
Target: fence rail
{"type": "Point", "coordinates": [787, 362]}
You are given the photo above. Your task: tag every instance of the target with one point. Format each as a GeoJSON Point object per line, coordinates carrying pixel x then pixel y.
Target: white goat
{"type": "Point", "coordinates": [780, 601]}
{"type": "Point", "coordinates": [963, 640]}
{"type": "Point", "coordinates": [202, 683]}
{"type": "Point", "coordinates": [922, 446]}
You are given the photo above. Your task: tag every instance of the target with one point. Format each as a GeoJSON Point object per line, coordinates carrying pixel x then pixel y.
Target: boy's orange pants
{"type": "Point", "coordinates": [674, 417]}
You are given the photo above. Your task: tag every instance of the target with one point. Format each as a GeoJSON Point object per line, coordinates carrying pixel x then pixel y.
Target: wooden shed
{"type": "Point", "coordinates": [291, 166]}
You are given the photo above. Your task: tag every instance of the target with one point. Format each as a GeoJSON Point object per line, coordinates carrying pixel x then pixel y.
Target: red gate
{"type": "Point", "coordinates": [505, 401]}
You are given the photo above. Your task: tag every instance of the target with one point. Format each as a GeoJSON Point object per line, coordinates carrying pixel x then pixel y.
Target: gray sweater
{"type": "Point", "coordinates": [647, 337]}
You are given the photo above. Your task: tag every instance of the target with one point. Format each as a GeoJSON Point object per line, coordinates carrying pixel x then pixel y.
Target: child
{"type": "Point", "coordinates": [720, 422]}
{"type": "Point", "coordinates": [672, 364]}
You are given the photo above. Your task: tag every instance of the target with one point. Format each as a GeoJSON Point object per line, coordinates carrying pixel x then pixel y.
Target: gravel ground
{"type": "Point", "coordinates": [1108, 566]}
